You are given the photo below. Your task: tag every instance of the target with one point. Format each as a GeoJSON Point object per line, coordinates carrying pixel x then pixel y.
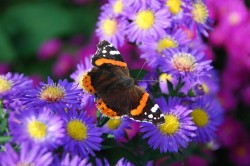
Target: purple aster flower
{"type": "Point", "coordinates": [176, 132]}
{"type": "Point", "coordinates": [82, 69]}
{"type": "Point", "coordinates": [178, 9]}
{"type": "Point", "coordinates": [101, 162]}
{"type": "Point", "coordinates": [153, 47]}
{"type": "Point", "coordinates": [116, 7]}
{"type": "Point", "coordinates": [73, 161]}
{"type": "Point", "coordinates": [199, 17]}
{"type": "Point", "coordinates": [207, 115]}
{"type": "Point", "coordinates": [208, 84]}
{"type": "Point", "coordinates": [82, 135]}
{"type": "Point", "coordinates": [137, 4]}
{"type": "Point", "coordinates": [147, 22]}
{"type": "Point", "coordinates": [77, 76]}
{"type": "Point", "coordinates": [185, 63]}
{"type": "Point", "coordinates": [28, 155]}
{"type": "Point", "coordinates": [124, 162]}
{"type": "Point", "coordinates": [37, 126]}
{"type": "Point", "coordinates": [54, 95]}
{"type": "Point", "coordinates": [111, 28]}
{"type": "Point", "coordinates": [117, 127]}
{"type": "Point", "coordinates": [13, 85]}
{"type": "Point", "coordinates": [163, 78]}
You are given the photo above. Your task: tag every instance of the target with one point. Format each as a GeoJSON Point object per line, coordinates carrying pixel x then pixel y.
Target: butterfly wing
{"type": "Point", "coordinates": [117, 94]}
{"type": "Point", "coordinates": [143, 108]}
{"type": "Point", "coordinates": [108, 57]}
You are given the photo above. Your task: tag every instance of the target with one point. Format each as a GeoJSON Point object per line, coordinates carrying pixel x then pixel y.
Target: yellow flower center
{"type": "Point", "coordinates": [52, 93]}
{"type": "Point", "coordinates": [200, 117]}
{"type": "Point", "coordinates": [170, 126]}
{"type": "Point", "coordinates": [174, 6]}
{"type": "Point", "coordinates": [77, 130]}
{"type": "Point", "coordinates": [145, 19]}
{"type": "Point", "coordinates": [166, 43]}
{"type": "Point", "coordinates": [113, 123]}
{"type": "Point", "coordinates": [200, 12]}
{"type": "Point", "coordinates": [117, 7]}
{"type": "Point", "coordinates": [165, 77]}
{"type": "Point", "coordinates": [184, 62]}
{"type": "Point", "coordinates": [205, 88]}
{"type": "Point", "coordinates": [80, 80]}
{"type": "Point", "coordinates": [5, 85]}
{"type": "Point", "coordinates": [37, 129]}
{"type": "Point", "coordinates": [109, 27]}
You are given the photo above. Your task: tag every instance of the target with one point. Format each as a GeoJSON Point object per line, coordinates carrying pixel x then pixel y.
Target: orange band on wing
{"type": "Point", "coordinates": [86, 82]}
{"type": "Point", "coordinates": [142, 104]}
{"type": "Point", "coordinates": [105, 110]}
{"type": "Point", "coordinates": [102, 61]}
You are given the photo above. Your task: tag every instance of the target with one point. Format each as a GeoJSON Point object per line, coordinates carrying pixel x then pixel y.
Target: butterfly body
{"type": "Point", "coordinates": [117, 93]}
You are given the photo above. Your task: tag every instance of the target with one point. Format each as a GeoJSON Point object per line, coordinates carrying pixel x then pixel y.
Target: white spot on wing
{"type": "Point", "coordinates": [150, 116]}
{"type": "Point", "coordinates": [155, 108]}
{"type": "Point", "coordinates": [145, 113]}
{"type": "Point", "coordinates": [104, 51]}
{"type": "Point", "coordinates": [104, 55]}
{"type": "Point", "coordinates": [114, 52]}
{"type": "Point", "coordinates": [161, 115]}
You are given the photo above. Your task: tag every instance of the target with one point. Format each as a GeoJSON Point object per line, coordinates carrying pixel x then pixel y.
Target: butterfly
{"type": "Point", "coordinates": [117, 94]}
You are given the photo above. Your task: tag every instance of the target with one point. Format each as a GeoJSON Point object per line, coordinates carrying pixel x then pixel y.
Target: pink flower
{"type": "Point", "coordinates": [240, 154]}
{"type": "Point", "coordinates": [231, 133]}
{"type": "Point", "coordinates": [245, 95]}
{"type": "Point", "coordinates": [4, 68]}
{"type": "Point", "coordinates": [64, 65]}
{"type": "Point", "coordinates": [49, 49]}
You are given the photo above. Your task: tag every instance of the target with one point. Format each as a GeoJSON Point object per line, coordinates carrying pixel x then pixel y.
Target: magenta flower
{"type": "Point", "coordinates": [63, 65]}
{"type": "Point", "coordinates": [49, 49]}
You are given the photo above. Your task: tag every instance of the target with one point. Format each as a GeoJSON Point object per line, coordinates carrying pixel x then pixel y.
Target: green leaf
{"type": "Point", "coordinates": [170, 89]}
{"type": "Point", "coordinates": [7, 52]}
{"type": "Point", "coordinates": [32, 23]}
{"type": "Point", "coordinates": [3, 125]}
{"type": "Point", "coordinates": [4, 139]}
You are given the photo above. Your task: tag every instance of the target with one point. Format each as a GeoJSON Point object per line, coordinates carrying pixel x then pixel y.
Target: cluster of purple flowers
{"type": "Point", "coordinates": [58, 120]}
{"type": "Point", "coordinates": [169, 36]}
{"type": "Point", "coordinates": [48, 116]}
{"type": "Point", "coordinates": [168, 33]}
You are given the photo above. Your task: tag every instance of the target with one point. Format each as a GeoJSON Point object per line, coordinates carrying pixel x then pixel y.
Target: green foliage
{"type": "Point", "coordinates": [24, 26]}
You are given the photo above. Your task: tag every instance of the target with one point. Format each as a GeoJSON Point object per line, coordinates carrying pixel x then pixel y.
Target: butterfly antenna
{"type": "Point", "coordinates": [141, 69]}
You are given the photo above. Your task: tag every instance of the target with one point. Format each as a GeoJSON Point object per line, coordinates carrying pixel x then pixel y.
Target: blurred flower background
{"type": "Point", "coordinates": [56, 39]}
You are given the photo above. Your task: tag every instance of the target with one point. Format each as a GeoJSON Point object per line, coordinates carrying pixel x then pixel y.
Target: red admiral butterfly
{"type": "Point", "coordinates": [117, 93]}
